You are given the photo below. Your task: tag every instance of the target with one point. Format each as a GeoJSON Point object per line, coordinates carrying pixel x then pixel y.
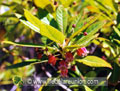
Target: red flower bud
{"type": "Point", "coordinates": [85, 33]}
{"type": "Point", "coordinates": [69, 57]}
{"type": "Point", "coordinates": [103, 57]}
{"type": "Point", "coordinates": [82, 51]}
{"type": "Point", "coordinates": [74, 25]}
{"type": "Point", "coordinates": [52, 60]}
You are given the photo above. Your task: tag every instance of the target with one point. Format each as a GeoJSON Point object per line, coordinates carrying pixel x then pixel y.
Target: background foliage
{"type": "Point", "coordinates": [29, 24]}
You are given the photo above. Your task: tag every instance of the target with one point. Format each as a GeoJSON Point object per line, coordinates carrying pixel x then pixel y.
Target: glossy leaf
{"type": "Point", "coordinates": [95, 27]}
{"type": "Point", "coordinates": [45, 29]}
{"type": "Point", "coordinates": [98, 6]}
{"type": "Point", "coordinates": [94, 61]}
{"type": "Point", "coordinates": [83, 28]}
{"type": "Point", "coordinates": [76, 21]}
{"type": "Point", "coordinates": [82, 43]}
{"type": "Point", "coordinates": [85, 40]}
{"type": "Point", "coordinates": [25, 63]}
{"type": "Point", "coordinates": [117, 41]}
{"type": "Point", "coordinates": [22, 64]}
{"type": "Point", "coordinates": [91, 31]}
{"type": "Point", "coordinates": [87, 88]}
{"type": "Point", "coordinates": [25, 44]}
{"type": "Point", "coordinates": [45, 4]}
{"type": "Point", "coordinates": [65, 3]}
{"type": "Point", "coordinates": [61, 18]}
{"type": "Point", "coordinates": [109, 3]}
{"type": "Point", "coordinates": [116, 30]}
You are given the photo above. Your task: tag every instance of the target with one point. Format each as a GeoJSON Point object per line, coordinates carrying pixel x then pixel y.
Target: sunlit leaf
{"type": "Point", "coordinates": [91, 31]}
{"type": "Point", "coordinates": [94, 61]}
{"type": "Point", "coordinates": [87, 88]}
{"type": "Point", "coordinates": [62, 18]}
{"type": "Point", "coordinates": [78, 22]}
{"type": "Point", "coordinates": [65, 3]}
{"type": "Point", "coordinates": [84, 27]}
{"type": "Point", "coordinates": [47, 4]}
{"type": "Point", "coordinates": [25, 44]}
{"type": "Point", "coordinates": [45, 29]}
{"type": "Point", "coordinates": [116, 30]}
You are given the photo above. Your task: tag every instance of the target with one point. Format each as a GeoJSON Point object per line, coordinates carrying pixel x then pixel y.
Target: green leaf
{"type": "Point", "coordinates": [27, 62]}
{"type": "Point", "coordinates": [82, 43]}
{"type": "Point", "coordinates": [109, 45]}
{"type": "Point", "coordinates": [25, 44]}
{"type": "Point", "coordinates": [81, 23]}
{"type": "Point", "coordinates": [46, 4]}
{"type": "Point", "coordinates": [76, 21]}
{"type": "Point", "coordinates": [86, 39]}
{"type": "Point", "coordinates": [30, 25]}
{"type": "Point", "coordinates": [18, 65]}
{"type": "Point", "coordinates": [45, 29]}
{"type": "Point", "coordinates": [94, 61]}
{"type": "Point", "coordinates": [91, 31]}
{"type": "Point", "coordinates": [95, 27]}
{"type": "Point", "coordinates": [116, 30]}
{"type": "Point", "coordinates": [65, 3]}
{"type": "Point", "coordinates": [87, 88]}
{"type": "Point", "coordinates": [61, 18]}
{"type": "Point", "coordinates": [22, 64]}
{"type": "Point", "coordinates": [72, 46]}
{"type": "Point", "coordinates": [84, 27]}
{"type": "Point", "coordinates": [53, 22]}
{"type": "Point", "coordinates": [109, 4]}
{"type": "Point", "coordinates": [117, 41]}
{"type": "Point", "coordinates": [100, 6]}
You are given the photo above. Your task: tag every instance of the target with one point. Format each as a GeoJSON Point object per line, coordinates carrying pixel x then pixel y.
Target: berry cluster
{"type": "Point", "coordinates": [39, 52]}
{"type": "Point", "coordinates": [64, 63]}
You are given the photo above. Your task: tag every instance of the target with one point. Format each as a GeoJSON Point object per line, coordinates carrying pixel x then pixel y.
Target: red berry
{"type": "Point", "coordinates": [64, 73]}
{"type": "Point", "coordinates": [52, 60]}
{"type": "Point", "coordinates": [74, 3]}
{"type": "Point", "coordinates": [73, 68]}
{"type": "Point", "coordinates": [103, 57]}
{"type": "Point", "coordinates": [39, 56]}
{"type": "Point", "coordinates": [63, 68]}
{"type": "Point", "coordinates": [69, 57]}
{"type": "Point", "coordinates": [62, 64]}
{"type": "Point", "coordinates": [74, 25]}
{"type": "Point", "coordinates": [85, 33]}
{"type": "Point", "coordinates": [55, 3]}
{"type": "Point", "coordinates": [82, 51]}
